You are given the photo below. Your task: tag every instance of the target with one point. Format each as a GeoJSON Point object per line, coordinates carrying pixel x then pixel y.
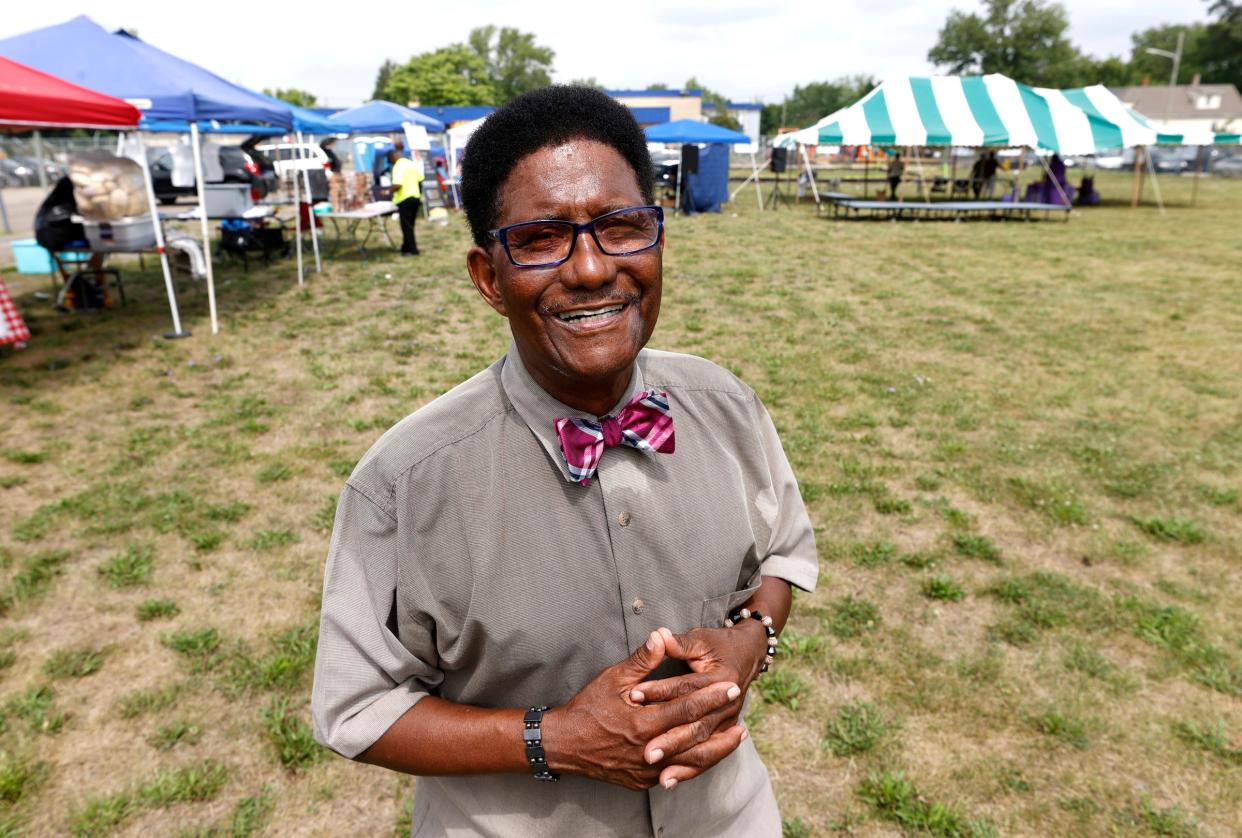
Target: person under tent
{"type": "Point", "coordinates": [407, 192]}
{"type": "Point", "coordinates": [896, 168]}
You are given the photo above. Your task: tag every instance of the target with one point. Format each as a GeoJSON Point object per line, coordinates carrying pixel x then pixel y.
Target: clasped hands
{"type": "Point", "coordinates": [636, 733]}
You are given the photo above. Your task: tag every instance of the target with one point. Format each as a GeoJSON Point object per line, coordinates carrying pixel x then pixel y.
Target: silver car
{"type": "Point", "coordinates": [1229, 167]}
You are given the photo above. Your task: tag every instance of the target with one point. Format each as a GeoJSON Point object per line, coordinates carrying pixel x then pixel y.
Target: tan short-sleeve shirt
{"type": "Point", "coordinates": [466, 563]}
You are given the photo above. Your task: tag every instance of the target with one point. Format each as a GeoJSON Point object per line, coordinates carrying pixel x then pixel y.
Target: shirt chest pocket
{"type": "Point", "coordinates": [716, 608]}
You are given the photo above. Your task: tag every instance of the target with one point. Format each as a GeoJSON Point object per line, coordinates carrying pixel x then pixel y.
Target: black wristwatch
{"type": "Point", "coordinates": [532, 736]}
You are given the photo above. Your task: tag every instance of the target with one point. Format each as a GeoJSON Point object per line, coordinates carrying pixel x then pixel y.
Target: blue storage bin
{"type": "Point", "coordinates": [32, 258]}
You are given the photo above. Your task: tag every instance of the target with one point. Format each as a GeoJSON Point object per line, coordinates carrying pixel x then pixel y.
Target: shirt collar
{"type": "Point", "coordinates": [539, 410]}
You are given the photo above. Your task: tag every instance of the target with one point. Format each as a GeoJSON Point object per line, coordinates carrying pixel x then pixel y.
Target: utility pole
{"type": "Point", "coordinates": [1177, 65]}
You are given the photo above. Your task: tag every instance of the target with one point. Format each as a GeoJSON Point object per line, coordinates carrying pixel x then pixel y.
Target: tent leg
{"type": "Point", "coordinates": [681, 160]}
{"type": "Point", "coordinates": [754, 173]}
{"type": "Point", "coordinates": [1136, 189]}
{"type": "Point", "coordinates": [38, 151]}
{"type": "Point", "coordinates": [1194, 187]}
{"type": "Point", "coordinates": [4, 214]}
{"type": "Point", "coordinates": [177, 331]}
{"type": "Point", "coordinates": [202, 214]}
{"type": "Point", "coordinates": [311, 216]}
{"type": "Point", "coordinates": [1155, 182]}
{"type": "Point", "coordinates": [806, 164]}
{"type": "Point", "coordinates": [297, 224]}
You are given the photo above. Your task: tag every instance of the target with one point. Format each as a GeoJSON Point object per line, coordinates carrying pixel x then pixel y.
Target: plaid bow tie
{"type": "Point", "coordinates": [644, 423]}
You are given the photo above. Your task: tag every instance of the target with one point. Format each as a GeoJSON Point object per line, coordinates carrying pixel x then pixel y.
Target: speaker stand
{"type": "Point", "coordinates": [777, 197]}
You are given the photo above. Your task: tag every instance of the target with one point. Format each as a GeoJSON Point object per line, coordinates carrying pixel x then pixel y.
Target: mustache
{"type": "Point", "coordinates": [589, 300]}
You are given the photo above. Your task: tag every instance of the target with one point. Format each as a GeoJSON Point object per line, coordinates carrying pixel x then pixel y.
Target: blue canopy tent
{"type": "Point", "coordinates": [693, 131]}
{"type": "Point", "coordinates": [708, 188]}
{"type": "Point", "coordinates": [380, 117]}
{"type": "Point", "coordinates": [162, 86]}
{"type": "Point", "coordinates": [205, 126]}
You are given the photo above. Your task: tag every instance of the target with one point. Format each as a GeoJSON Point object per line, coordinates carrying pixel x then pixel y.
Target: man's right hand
{"type": "Point", "coordinates": [601, 732]}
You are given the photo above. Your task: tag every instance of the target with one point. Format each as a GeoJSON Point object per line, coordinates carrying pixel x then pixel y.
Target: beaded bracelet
{"type": "Point", "coordinates": [766, 621]}
{"type": "Point", "coordinates": [532, 737]}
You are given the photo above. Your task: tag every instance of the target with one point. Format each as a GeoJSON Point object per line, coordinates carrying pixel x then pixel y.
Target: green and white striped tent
{"type": "Point", "coordinates": [990, 110]}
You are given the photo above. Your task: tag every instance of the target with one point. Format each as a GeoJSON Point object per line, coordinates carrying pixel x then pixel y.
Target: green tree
{"type": "Point", "coordinates": [451, 75]}
{"type": "Point", "coordinates": [808, 104]}
{"type": "Point", "coordinates": [816, 100]}
{"type": "Point", "coordinates": [714, 104]}
{"type": "Point", "coordinates": [1024, 39]}
{"type": "Point", "coordinates": [589, 81]}
{"type": "Point", "coordinates": [658, 86]}
{"type": "Point", "coordinates": [1112, 72]}
{"type": "Point", "coordinates": [514, 63]}
{"type": "Point", "coordinates": [381, 78]}
{"type": "Point", "coordinates": [1222, 45]}
{"type": "Point", "coordinates": [293, 96]}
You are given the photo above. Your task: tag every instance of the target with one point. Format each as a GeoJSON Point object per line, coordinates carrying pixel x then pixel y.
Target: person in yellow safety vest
{"type": "Point", "coordinates": [407, 186]}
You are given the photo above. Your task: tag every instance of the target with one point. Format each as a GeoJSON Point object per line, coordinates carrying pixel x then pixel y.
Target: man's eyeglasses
{"type": "Point", "coordinates": [546, 244]}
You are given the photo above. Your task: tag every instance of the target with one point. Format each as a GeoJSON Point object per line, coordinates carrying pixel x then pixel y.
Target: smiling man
{"type": "Point", "coordinates": [549, 590]}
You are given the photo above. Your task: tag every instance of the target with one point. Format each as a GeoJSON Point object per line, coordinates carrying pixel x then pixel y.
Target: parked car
{"type": "Point", "coordinates": [238, 165]}
{"type": "Point", "coordinates": [1202, 159]}
{"type": "Point", "coordinates": [664, 163]}
{"type": "Point", "coordinates": [1111, 162]}
{"type": "Point", "coordinates": [24, 171]}
{"type": "Point", "coordinates": [14, 172]}
{"type": "Point", "coordinates": [295, 157]}
{"type": "Point", "coordinates": [1228, 167]}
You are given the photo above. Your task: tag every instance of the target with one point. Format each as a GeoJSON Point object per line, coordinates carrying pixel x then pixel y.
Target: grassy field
{"type": "Point", "coordinates": [1021, 445]}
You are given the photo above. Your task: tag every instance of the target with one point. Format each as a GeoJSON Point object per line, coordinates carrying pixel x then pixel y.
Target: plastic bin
{"type": "Point", "coordinates": [227, 200]}
{"type": "Point", "coordinates": [125, 234]}
{"type": "Point", "coordinates": [32, 258]}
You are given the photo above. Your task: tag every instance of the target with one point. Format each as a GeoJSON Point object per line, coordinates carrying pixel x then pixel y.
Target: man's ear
{"type": "Point", "coordinates": [483, 274]}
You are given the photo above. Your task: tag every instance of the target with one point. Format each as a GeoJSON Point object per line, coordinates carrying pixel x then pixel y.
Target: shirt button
{"type": "Point", "coordinates": [638, 606]}
{"type": "Point", "coordinates": [624, 519]}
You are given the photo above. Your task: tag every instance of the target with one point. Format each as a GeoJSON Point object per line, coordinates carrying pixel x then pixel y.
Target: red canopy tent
{"type": "Point", "coordinates": [33, 99]}
{"type": "Point", "coordinates": [30, 99]}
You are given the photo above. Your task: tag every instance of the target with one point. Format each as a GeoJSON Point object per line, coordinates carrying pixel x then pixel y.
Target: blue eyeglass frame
{"type": "Point", "coordinates": [501, 234]}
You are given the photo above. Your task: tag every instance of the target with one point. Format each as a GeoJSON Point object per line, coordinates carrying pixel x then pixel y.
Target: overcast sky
{"type": "Point", "coordinates": [748, 51]}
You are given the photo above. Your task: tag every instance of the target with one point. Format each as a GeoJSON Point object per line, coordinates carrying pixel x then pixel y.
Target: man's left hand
{"type": "Point", "coordinates": [713, 655]}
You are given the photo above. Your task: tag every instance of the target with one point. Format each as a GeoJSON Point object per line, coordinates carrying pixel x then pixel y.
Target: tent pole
{"type": "Point", "coordinates": [866, 171]}
{"type": "Point", "coordinates": [754, 173]}
{"type": "Point", "coordinates": [4, 214]}
{"type": "Point", "coordinates": [918, 164]}
{"type": "Point", "coordinates": [753, 176]}
{"type": "Point", "coordinates": [38, 150]}
{"type": "Point", "coordinates": [1017, 183]}
{"type": "Point", "coordinates": [310, 216]}
{"type": "Point", "coordinates": [810, 174]}
{"type": "Point", "coordinates": [1155, 182]}
{"type": "Point", "coordinates": [1136, 189]}
{"type": "Point", "coordinates": [1194, 187]}
{"type": "Point", "coordinates": [177, 331]}
{"type": "Point", "coordinates": [202, 214]}
{"type": "Point", "coordinates": [681, 159]}
{"type": "Point", "coordinates": [297, 224]}
{"type": "Point", "coordinates": [952, 174]}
